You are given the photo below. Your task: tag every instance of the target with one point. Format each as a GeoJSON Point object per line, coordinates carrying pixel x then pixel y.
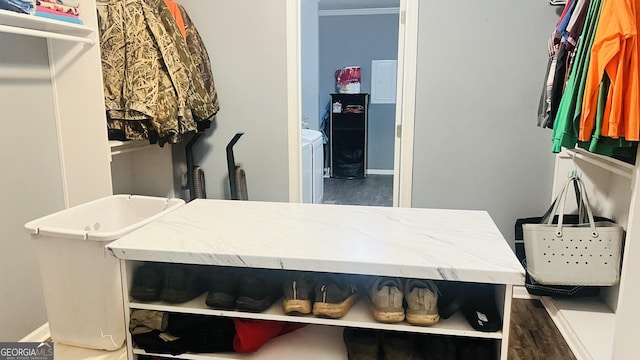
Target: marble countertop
{"type": "Point", "coordinates": [461, 245]}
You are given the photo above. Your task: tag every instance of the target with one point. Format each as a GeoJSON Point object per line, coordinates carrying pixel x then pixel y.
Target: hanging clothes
{"type": "Point", "coordinates": [202, 64]}
{"type": "Point", "coordinates": [576, 23]}
{"type": "Point", "coordinates": [565, 132]}
{"type": "Point", "coordinates": [152, 87]}
{"type": "Point", "coordinates": [599, 105]}
{"type": "Point", "coordinates": [615, 53]}
{"type": "Point", "coordinates": [560, 51]}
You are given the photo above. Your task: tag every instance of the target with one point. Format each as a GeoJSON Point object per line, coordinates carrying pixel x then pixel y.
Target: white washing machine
{"type": "Point", "coordinates": [312, 167]}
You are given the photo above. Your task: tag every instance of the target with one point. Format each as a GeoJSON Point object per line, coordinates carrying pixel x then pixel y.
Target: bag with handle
{"type": "Point", "coordinates": [587, 253]}
{"type": "Point", "coordinates": [533, 287]}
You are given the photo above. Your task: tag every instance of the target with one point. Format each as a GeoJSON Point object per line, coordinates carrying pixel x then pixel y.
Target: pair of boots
{"type": "Point", "coordinates": [175, 283]}
{"type": "Point", "coordinates": [252, 290]}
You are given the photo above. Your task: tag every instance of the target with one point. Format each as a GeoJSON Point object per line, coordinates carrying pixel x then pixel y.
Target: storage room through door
{"type": "Point", "coordinates": [336, 34]}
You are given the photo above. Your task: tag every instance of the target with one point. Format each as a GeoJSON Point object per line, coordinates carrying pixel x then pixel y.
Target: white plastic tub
{"type": "Point", "coordinates": [80, 280]}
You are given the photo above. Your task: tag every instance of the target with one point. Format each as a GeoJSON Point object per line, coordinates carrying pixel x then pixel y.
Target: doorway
{"type": "Point", "coordinates": [338, 33]}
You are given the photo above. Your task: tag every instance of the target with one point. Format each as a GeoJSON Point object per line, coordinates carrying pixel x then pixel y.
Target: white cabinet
{"type": "Point", "coordinates": [85, 155]}
{"type": "Point", "coordinates": [598, 328]}
{"type": "Point", "coordinates": [408, 243]}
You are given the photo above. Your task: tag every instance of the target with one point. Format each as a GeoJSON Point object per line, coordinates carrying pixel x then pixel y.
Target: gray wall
{"type": "Point", "coordinates": [246, 41]}
{"type": "Point", "coordinates": [478, 82]}
{"type": "Point", "coordinates": [31, 181]}
{"type": "Point", "coordinates": [356, 40]}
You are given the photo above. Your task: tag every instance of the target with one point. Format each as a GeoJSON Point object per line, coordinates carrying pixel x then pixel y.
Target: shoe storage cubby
{"type": "Point", "coordinates": [363, 242]}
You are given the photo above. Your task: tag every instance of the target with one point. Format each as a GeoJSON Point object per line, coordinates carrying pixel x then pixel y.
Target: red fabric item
{"type": "Point", "coordinates": [252, 334]}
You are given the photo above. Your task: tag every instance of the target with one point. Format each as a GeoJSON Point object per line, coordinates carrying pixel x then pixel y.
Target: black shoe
{"type": "Point", "coordinates": [397, 345]}
{"type": "Point", "coordinates": [334, 295]}
{"type": "Point", "coordinates": [362, 344]}
{"type": "Point", "coordinates": [258, 290]}
{"type": "Point", "coordinates": [479, 307]}
{"type": "Point", "coordinates": [182, 283]}
{"type": "Point", "coordinates": [450, 298]}
{"type": "Point", "coordinates": [147, 283]}
{"type": "Point", "coordinates": [223, 288]}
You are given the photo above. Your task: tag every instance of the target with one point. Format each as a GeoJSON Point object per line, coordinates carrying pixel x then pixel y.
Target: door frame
{"type": "Point", "coordinates": [294, 100]}
{"type": "Point", "coordinates": [405, 101]}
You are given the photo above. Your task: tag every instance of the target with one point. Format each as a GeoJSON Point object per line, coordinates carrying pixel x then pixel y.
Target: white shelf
{"type": "Point", "coordinates": [123, 147]}
{"type": "Point", "coordinates": [605, 162]}
{"type": "Point", "coordinates": [358, 316]}
{"type": "Point", "coordinates": [587, 324]}
{"type": "Point", "coordinates": [309, 343]}
{"type": "Point", "coordinates": [24, 24]}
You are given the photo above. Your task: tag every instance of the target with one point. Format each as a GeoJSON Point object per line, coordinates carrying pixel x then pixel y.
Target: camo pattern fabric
{"type": "Point", "coordinates": [159, 93]}
{"type": "Point", "coordinates": [200, 57]}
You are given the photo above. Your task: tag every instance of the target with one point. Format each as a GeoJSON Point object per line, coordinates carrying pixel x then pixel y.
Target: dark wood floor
{"type": "Point", "coordinates": [533, 335]}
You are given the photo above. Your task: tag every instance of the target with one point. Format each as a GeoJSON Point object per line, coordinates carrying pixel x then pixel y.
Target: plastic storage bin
{"type": "Point", "coordinates": [80, 280]}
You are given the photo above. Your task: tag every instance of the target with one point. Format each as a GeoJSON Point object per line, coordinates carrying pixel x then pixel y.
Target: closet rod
{"type": "Point", "coordinates": [44, 34]}
{"type": "Point", "coordinates": [625, 172]}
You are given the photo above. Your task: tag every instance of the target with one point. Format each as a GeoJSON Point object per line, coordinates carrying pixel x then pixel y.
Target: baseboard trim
{"type": "Point", "coordinates": [520, 292]}
{"type": "Point", "coordinates": [565, 328]}
{"type": "Point", "coordinates": [379, 172]}
{"type": "Point", "coordinates": [40, 334]}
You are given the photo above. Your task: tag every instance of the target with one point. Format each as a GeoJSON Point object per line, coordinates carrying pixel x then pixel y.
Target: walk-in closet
{"type": "Point", "coordinates": [474, 161]}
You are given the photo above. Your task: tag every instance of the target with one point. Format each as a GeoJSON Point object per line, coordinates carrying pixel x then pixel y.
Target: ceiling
{"type": "Point", "coordinates": [357, 4]}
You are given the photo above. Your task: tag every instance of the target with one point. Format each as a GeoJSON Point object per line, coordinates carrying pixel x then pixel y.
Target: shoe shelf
{"type": "Point", "coordinates": [449, 245]}
{"type": "Point", "coordinates": [324, 342]}
{"type": "Point", "coordinates": [358, 316]}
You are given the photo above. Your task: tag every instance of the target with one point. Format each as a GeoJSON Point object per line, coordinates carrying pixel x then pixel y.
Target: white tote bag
{"type": "Point", "coordinates": [568, 254]}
